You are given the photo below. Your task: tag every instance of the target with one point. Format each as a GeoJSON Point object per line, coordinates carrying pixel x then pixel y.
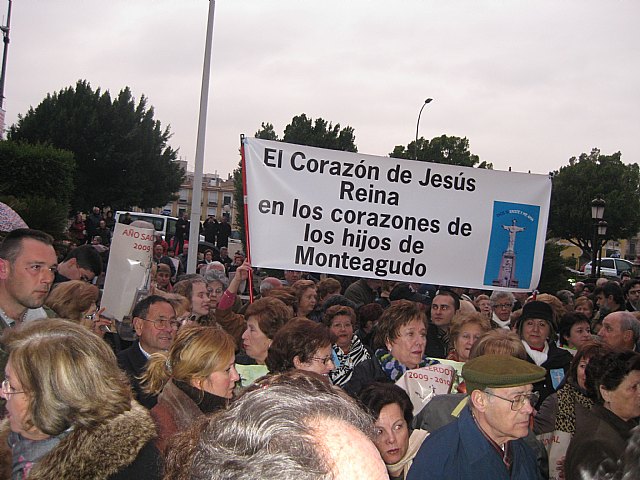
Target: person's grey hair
{"type": "Point", "coordinates": [629, 322]}
{"type": "Point", "coordinates": [269, 432]}
{"type": "Point", "coordinates": [565, 296]}
{"type": "Point", "coordinates": [216, 276]}
{"type": "Point", "coordinates": [498, 295]}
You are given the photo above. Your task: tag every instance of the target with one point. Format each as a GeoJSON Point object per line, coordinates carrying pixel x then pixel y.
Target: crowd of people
{"type": "Point", "coordinates": [306, 380]}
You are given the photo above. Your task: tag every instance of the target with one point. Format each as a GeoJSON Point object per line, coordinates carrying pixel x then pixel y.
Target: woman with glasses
{"type": "Point", "coordinates": [302, 345]}
{"type": "Point", "coordinates": [195, 377]}
{"type": "Point", "coordinates": [223, 296]}
{"type": "Point", "coordinates": [77, 301]}
{"type": "Point", "coordinates": [348, 348]}
{"type": "Point", "coordinates": [603, 432]}
{"type": "Point", "coordinates": [70, 409]}
{"type": "Point", "coordinates": [399, 346]}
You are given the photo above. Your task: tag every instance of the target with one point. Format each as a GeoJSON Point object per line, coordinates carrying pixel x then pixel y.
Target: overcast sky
{"type": "Point", "coordinates": [529, 83]}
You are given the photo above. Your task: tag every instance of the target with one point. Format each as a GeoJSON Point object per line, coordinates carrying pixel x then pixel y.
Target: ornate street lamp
{"type": "Point", "coordinates": [597, 212]}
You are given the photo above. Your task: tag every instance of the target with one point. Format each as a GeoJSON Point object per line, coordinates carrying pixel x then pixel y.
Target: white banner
{"type": "Point", "coordinates": [329, 211]}
{"type": "Point", "coordinates": [128, 270]}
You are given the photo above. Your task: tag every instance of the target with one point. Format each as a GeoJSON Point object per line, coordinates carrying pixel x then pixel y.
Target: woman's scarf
{"type": "Point", "coordinates": [568, 396]}
{"type": "Point", "coordinates": [348, 361]}
{"type": "Point", "coordinates": [400, 469]}
{"type": "Point", "coordinates": [393, 368]}
{"type": "Point", "coordinates": [539, 357]}
{"type": "Point", "coordinates": [26, 453]}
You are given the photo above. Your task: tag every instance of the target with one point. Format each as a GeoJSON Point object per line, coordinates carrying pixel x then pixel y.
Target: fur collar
{"type": "Point", "coordinates": [91, 454]}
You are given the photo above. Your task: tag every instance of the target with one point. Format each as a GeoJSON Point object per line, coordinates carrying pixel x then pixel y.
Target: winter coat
{"type": "Point", "coordinates": [557, 366]}
{"type": "Point", "coordinates": [459, 451]}
{"type": "Point", "coordinates": [600, 435]}
{"type": "Point", "coordinates": [119, 448]}
{"type": "Point", "coordinates": [176, 411]}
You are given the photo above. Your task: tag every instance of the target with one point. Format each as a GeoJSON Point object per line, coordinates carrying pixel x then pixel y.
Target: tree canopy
{"type": "Point", "coordinates": [315, 133]}
{"type": "Point", "coordinates": [121, 152]}
{"type": "Point", "coordinates": [443, 149]}
{"type": "Point", "coordinates": [37, 182]}
{"type": "Point", "coordinates": [585, 178]}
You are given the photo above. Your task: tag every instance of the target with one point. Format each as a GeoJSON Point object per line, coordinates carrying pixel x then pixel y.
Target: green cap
{"type": "Point", "coordinates": [500, 371]}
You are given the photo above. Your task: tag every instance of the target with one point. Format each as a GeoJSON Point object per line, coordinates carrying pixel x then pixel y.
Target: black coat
{"type": "Point", "coordinates": [557, 359]}
{"type": "Point", "coordinates": [365, 373]}
{"type": "Point", "coordinates": [600, 435]}
{"type": "Point", "coordinates": [133, 362]}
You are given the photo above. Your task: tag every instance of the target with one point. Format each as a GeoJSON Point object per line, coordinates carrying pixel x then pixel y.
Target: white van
{"type": "Point", "coordinates": [163, 224]}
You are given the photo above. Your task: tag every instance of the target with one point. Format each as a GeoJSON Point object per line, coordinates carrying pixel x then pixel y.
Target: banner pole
{"type": "Point", "coordinates": [246, 214]}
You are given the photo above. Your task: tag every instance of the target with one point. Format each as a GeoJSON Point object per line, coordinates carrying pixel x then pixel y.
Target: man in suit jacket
{"type": "Point", "coordinates": [154, 320]}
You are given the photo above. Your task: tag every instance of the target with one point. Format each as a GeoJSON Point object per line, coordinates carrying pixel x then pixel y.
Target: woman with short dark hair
{"type": "Point", "coordinates": [348, 348]}
{"type": "Point", "coordinates": [399, 344]}
{"type": "Point", "coordinates": [392, 410]}
{"type": "Point", "coordinates": [302, 345]}
{"type": "Point", "coordinates": [602, 433]}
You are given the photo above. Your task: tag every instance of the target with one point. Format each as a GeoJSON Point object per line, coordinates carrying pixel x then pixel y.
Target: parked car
{"type": "Point", "coordinates": [609, 267]}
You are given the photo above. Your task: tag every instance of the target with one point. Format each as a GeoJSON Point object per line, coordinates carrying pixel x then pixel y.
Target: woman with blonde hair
{"type": "Point", "coordinates": [71, 409]}
{"type": "Point", "coordinates": [465, 330]}
{"type": "Point", "coordinates": [306, 297]}
{"type": "Point", "coordinates": [195, 377]}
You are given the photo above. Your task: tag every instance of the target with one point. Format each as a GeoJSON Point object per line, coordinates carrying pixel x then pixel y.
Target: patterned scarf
{"type": "Point", "coordinates": [393, 368]}
{"type": "Point", "coordinates": [348, 361]}
{"type": "Point", "coordinates": [26, 453]}
{"type": "Point", "coordinates": [568, 396]}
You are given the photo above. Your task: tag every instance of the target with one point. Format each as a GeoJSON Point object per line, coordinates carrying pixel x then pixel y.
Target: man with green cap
{"type": "Point", "coordinates": [486, 440]}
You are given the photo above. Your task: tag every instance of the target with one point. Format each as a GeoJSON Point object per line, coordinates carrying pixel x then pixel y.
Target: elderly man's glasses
{"type": "Point", "coordinates": [519, 401]}
{"type": "Point", "coordinates": [7, 389]}
{"type": "Point", "coordinates": [164, 324]}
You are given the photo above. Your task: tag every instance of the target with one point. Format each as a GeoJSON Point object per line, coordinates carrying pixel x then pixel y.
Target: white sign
{"type": "Point", "coordinates": [345, 213]}
{"type": "Point", "coordinates": [422, 384]}
{"type": "Point", "coordinates": [128, 270]}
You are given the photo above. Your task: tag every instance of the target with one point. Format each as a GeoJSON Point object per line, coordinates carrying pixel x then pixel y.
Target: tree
{"type": "Point", "coordinates": [442, 149]}
{"type": "Point", "coordinates": [36, 170]}
{"type": "Point", "coordinates": [37, 182]}
{"type": "Point", "coordinates": [121, 153]}
{"type": "Point", "coordinates": [554, 274]}
{"type": "Point", "coordinates": [585, 178]}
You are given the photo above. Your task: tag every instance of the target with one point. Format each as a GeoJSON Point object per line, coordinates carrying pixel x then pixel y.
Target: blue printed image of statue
{"type": "Point", "coordinates": [514, 229]}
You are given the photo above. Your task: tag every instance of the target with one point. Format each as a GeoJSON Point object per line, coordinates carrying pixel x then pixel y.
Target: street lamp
{"type": "Point", "coordinates": [597, 212]}
{"type": "Point", "coordinates": [602, 231]}
{"type": "Point", "coordinates": [415, 148]}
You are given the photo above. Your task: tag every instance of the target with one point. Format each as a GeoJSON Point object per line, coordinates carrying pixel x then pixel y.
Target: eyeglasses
{"type": "Point", "coordinates": [326, 361]}
{"type": "Point", "coordinates": [83, 277]}
{"type": "Point", "coordinates": [164, 324]}
{"type": "Point", "coordinates": [7, 389]}
{"type": "Point", "coordinates": [217, 291]}
{"type": "Point", "coordinates": [503, 305]}
{"type": "Point", "coordinates": [519, 401]}
{"type": "Point", "coordinates": [342, 325]}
